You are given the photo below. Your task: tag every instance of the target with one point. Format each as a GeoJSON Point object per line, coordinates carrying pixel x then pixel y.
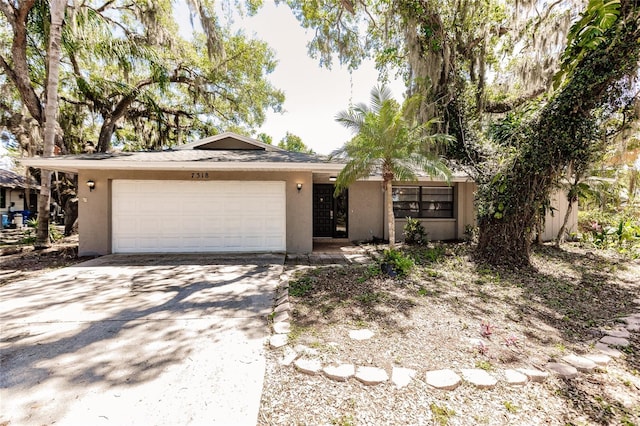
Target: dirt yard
{"type": "Point", "coordinates": [452, 313]}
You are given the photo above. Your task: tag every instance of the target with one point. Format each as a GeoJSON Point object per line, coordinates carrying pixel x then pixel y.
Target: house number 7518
{"type": "Point", "coordinates": [200, 175]}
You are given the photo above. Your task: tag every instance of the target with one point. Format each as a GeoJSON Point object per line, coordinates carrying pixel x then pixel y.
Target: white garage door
{"type": "Point", "coordinates": [151, 216]}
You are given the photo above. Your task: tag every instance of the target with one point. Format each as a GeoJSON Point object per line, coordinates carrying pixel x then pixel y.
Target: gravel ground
{"type": "Point", "coordinates": [434, 319]}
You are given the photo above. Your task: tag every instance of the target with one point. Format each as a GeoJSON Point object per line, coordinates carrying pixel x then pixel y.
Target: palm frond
{"type": "Point", "coordinates": [379, 95]}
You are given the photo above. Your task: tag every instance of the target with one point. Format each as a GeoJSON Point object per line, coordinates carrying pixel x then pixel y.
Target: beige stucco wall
{"type": "Point", "coordinates": [366, 204]}
{"type": "Point", "coordinates": [367, 217]}
{"type": "Point", "coordinates": [448, 229]}
{"type": "Point", "coordinates": [94, 222]}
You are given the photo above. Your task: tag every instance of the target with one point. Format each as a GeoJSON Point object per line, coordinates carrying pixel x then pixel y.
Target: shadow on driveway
{"type": "Point", "coordinates": [171, 339]}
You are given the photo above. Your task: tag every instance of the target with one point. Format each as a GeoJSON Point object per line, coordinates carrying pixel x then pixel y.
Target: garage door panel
{"type": "Point", "coordinates": [209, 216]}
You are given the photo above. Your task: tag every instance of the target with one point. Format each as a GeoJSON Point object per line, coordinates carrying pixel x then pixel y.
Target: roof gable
{"type": "Point", "coordinates": [228, 141]}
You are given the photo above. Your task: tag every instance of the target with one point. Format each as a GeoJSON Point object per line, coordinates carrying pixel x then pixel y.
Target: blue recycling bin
{"type": "Point", "coordinates": [5, 220]}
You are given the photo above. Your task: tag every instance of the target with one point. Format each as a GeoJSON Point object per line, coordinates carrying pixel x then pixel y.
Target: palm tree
{"type": "Point", "coordinates": [387, 140]}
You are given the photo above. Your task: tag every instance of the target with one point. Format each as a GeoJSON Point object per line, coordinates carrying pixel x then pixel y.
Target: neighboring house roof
{"type": "Point", "coordinates": [9, 179]}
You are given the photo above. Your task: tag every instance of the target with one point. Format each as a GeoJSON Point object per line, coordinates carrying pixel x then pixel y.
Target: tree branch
{"type": "Point", "coordinates": [506, 106]}
{"type": "Point", "coordinates": [9, 12]}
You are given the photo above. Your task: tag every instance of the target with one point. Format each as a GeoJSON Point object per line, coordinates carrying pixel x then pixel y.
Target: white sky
{"type": "Point", "coordinates": [313, 95]}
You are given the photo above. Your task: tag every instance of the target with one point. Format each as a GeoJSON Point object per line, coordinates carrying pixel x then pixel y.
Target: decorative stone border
{"type": "Point", "coordinates": [570, 366]}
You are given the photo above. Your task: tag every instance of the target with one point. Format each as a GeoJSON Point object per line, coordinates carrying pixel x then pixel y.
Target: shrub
{"type": "Point", "coordinates": [414, 233]}
{"type": "Point", "coordinates": [394, 262]}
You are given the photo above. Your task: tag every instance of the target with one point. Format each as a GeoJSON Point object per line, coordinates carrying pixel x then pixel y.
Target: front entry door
{"type": "Point", "coordinates": [330, 214]}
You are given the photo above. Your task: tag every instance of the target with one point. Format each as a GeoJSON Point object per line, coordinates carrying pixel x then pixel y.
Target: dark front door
{"type": "Point", "coordinates": [329, 212]}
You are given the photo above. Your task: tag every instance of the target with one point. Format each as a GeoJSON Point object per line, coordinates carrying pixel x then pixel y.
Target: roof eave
{"type": "Point", "coordinates": [74, 166]}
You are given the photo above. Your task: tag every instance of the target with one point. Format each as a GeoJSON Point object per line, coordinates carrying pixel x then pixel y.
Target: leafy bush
{"type": "Point", "coordinates": [394, 262]}
{"type": "Point", "coordinates": [300, 287]}
{"type": "Point", "coordinates": [414, 232]}
{"type": "Point", "coordinates": [616, 232]}
{"type": "Point", "coordinates": [29, 233]}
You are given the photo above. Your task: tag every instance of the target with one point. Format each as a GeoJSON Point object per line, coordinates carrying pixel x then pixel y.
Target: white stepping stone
{"type": "Point", "coordinates": [633, 327]}
{"type": "Point", "coordinates": [283, 307]}
{"type": "Point", "coordinates": [282, 299]}
{"type": "Point", "coordinates": [401, 377]}
{"type": "Point", "coordinates": [282, 327]}
{"type": "Point", "coordinates": [363, 334]}
{"type": "Point", "coordinates": [289, 356]}
{"type": "Point", "coordinates": [281, 316]}
{"type": "Point", "coordinates": [371, 375]}
{"type": "Point", "coordinates": [308, 366]}
{"type": "Point", "coordinates": [305, 350]}
{"type": "Point", "coordinates": [631, 319]}
{"type": "Point", "coordinates": [623, 333]}
{"type": "Point", "coordinates": [605, 349]}
{"type": "Point", "coordinates": [615, 341]}
{"type": "Point", "coordinates": [278, 340]}
{"type": "Point", "coordinates": [599, 359]}
{"type": "Point", "coordinates": [534, 375]}
{"type": "Point", "coordinates": [563, 370]}
{"type": "Point", "coordinates": [443, 379]}
{"type": "Point", "coordinates": [514, 377]}
{"type": "Point", "coordinates": [340, 373]}
{"type": "Point", "coordinates": [479, 378]}
{"type": "Point", "coordinates": [580, 363]}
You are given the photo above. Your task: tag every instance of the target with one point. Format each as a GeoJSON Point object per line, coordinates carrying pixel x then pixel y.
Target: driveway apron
{"type": "Point", "coordinates": [138, 340]}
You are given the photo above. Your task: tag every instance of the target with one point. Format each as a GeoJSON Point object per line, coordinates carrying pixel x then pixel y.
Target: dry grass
{"type": "Point", "coordinates": [434, 319]}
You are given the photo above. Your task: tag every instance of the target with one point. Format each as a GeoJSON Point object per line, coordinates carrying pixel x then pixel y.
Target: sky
{"type": "Point", "coordinates": [313, 95]}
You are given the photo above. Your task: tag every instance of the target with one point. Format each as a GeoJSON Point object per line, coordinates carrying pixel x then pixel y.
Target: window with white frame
{"type": "Point", "coordinates": [423, 201]}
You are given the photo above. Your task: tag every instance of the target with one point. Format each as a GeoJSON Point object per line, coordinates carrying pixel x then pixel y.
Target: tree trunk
{"type": "Point", "coordinates": [504, 241]}
{"type": "Point", "coordinates": [567, 215]}
{"type": "Point", "coordinates": [106, 133]}
{"type": "Point", "coordinates": [57, 14]}
{"type": "Point", "coordinates": [391, 220]}
{"type": "Point", "coordinates": [563, 129]}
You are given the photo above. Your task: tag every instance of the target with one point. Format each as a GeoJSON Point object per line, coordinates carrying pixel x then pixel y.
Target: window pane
{"type": "Point", "coordinates": [436, 202]}
{"type": "Point", "coordinates": [406, 193]}
{"type": "Point", "coordinates": [406, 201]}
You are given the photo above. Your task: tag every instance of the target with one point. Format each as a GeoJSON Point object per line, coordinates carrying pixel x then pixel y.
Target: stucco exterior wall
{"type": "Point", "coordinates": [366, 204]}
{"type": "Point", "coordinates": [447, 229]}
{"type": "Point", "coordinates": [367, 216]}
{"type": "Point", "coordinates": [94, 207]}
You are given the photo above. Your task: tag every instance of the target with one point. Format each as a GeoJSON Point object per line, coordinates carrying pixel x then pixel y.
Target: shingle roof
{"type": "Point", "coordinates": [9, 179]}
{"type": "Point", "coordinates": [194, 155]}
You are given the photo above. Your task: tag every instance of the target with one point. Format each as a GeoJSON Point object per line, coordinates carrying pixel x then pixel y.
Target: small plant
{"type": "Point", "coordinates": [486, 329]}
{"type": "Point", "coordinates": [482, 348]}
{"type": "Point", "coordinates": [414, 233]}
{"type": "Point", "coordinates": [512, 340]}
{"type": "Point", "coordinates": [394, 262]}
{"type": "Point", "coordinates": [370, 298]}
{"type": "Point", "coordinates": [470, 233]}
{"type": "Point", "coordinates": [484, 365]}
{"type": "Point", "coordinates": [300, 287]}
{"type": "Point", "coordinates": [32, 224]}
{"type": "Point", "coordinates": [511, 407]}
{"type": "Point", "coordinates": [344, 420]}
{"type": "Point", "coordinates": [441, 415]}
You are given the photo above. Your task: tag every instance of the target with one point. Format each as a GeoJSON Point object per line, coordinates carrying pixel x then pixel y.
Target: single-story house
{"type": "Point", "coordinates": [18, 194]}
{"type": "Point", "coordinates": [231, 193]}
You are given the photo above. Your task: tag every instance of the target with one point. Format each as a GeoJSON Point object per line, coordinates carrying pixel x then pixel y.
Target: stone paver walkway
{"type": "Point", "coordinates": [305, 359]}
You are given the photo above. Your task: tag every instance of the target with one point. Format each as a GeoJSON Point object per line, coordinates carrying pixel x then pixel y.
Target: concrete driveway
{"type": "Point", "coordinates": [138, 340]}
